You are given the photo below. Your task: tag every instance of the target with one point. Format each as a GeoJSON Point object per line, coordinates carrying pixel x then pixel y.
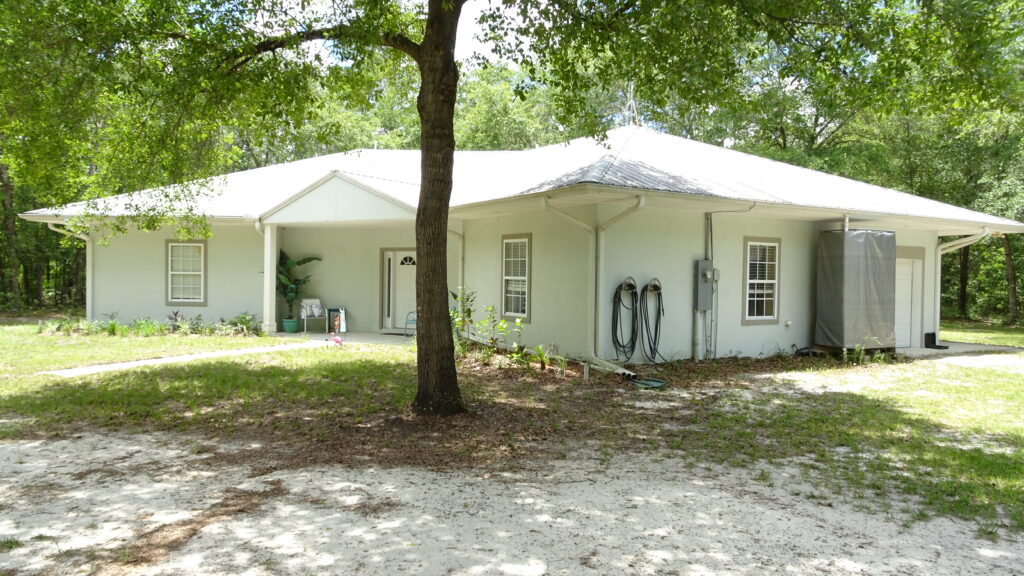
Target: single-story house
{"type": "Point", "coordinates": [547, 236]}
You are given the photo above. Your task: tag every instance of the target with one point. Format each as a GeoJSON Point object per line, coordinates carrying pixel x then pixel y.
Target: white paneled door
{"type": "Point", "coordinates": [905, 302]}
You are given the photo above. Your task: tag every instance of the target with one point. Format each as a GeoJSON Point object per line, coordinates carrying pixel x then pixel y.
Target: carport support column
{"type": "Point", "coordinates": [269, 278]}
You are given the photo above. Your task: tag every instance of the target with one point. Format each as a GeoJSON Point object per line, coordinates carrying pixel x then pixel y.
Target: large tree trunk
{"type": "Point", "coordinates": [961, 294]}
{"type": "Point", "coordinates": [1011, 282]}
{"type": "Point", "coordinates": [13, 265]}
{"type": "Point", "coordinates": [438, 391]}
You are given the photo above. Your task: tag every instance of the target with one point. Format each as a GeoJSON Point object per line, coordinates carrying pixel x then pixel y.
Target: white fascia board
{"type": "Point", "coordinates": [46, 218]}
{"type": "Point", "coordinates": [327, 178]}
{"type": "Point", "coordinates": [63, 219]}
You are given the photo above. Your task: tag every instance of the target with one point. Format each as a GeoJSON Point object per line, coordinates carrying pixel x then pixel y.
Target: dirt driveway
{"type": "Point", "coordinates": [105, 503]}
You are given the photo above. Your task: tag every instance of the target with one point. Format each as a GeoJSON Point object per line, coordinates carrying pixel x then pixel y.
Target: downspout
{"type": "Point", "coordinates": [88, 264]}
{"type": "Point", "coordinates": [598, 267]}
{"type": "Point", "coordinates": [945, 249]}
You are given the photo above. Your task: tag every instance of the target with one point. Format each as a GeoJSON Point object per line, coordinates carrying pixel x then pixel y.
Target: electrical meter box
{"type": "Point", "coordinates": [703, 285]}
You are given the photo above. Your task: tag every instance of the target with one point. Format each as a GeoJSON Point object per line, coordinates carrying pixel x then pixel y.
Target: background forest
{"type": "Point", "coordinates": [966, 153]}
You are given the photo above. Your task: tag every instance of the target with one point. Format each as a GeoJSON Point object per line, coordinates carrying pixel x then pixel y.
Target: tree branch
{"type": "Point", "coordinates": [399, 42]}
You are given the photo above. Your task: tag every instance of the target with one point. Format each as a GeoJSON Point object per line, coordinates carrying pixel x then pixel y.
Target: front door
{"type": "Point", "coordinates": [399, 276]}
{"type": "Point", "coordinates": [909, 275]}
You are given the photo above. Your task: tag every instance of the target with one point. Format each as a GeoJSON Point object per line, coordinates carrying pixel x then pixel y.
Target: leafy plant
{"type": "Point", "coordinates": [563, 364]}
{"type": "Point", "coordinates": [542, 357]}
{"type": "Point", "coordinates": [174, 320]}
{"type": "Point", "coordinates": [491, 327]}
{"type": "Point", "coordinates": [517, 335]}
{"type": "Point", "coordinates": [146, 327]}
{"type": "Point", "coordinates": [245, 324]}
{"type": "Point", "coordinates": [462, 313]}
{"type": "Point", "coordinates": [484, 354]}
{"type": "Point", "coordinates": [289, 283]}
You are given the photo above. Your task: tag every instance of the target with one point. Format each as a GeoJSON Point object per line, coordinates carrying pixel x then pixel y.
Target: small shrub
{"type": "Point", "coordinates": [174, 320]}
{"type": "Point", "coordinates": [146, 327]}
{"type": "Point", "coordinates": [542, 357]}
{"type": "Point", "coordinates": [195, 324]}
{"type": "Point", "coordinates": [484, 354]}
{"type": "Point", "coordinates": [245, 324]}
{"type": "Point", "coordinates": [462, 313]}
{"type": "Point", "coordinates": [563, 364]}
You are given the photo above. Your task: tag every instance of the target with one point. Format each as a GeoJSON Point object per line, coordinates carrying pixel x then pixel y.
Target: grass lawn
{"type": "Point", "coordinates": [913, 440]}
{"type": "Point", "coordinates": [24, 352]}
{"type": "Point", "coordinates": [983, 333]}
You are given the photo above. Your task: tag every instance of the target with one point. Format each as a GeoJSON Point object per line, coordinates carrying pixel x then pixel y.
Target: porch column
{"type": "Point", "coordinates": [269, 278]}
{"type": "Point", "coordinates": [90, 248]}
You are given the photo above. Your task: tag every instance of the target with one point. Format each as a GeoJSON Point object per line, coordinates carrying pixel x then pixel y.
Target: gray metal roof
{"type": "Point", "coordinates": [632, 158]}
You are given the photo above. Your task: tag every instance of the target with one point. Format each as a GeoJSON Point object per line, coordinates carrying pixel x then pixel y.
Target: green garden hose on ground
{"type": "Point", "coordinates": [648, 383]}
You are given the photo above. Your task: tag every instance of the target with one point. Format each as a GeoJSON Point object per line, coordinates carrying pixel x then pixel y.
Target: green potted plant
{"type": "Point", "coordinates": [289, 286]}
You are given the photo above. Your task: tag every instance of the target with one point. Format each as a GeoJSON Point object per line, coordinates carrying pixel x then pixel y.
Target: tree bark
{"type": "Point", "coordinates": [438, 389]}
{"type": "Point", "coordinates": [13, 265]}
{"type": "Point", "coordinates": [961, 295]}
{"type": "Point", "coordinates": [1011, 282]}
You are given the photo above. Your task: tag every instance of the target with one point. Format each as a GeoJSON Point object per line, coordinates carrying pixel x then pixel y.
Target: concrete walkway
{"type": "Point", "coordinates": [86, 370]}
{"type": "Point", "coordinates": [285, 342]}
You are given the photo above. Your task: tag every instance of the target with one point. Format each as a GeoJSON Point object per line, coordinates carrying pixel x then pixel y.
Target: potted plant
{"type": "Point", "coordinates": [289, 286]}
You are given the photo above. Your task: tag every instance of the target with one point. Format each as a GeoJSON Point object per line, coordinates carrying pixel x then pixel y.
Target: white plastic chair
{"type": "Point", "coordinates": [312, 308]}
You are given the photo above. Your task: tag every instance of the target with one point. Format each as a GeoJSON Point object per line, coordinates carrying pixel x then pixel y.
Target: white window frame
{"type": "Point", "coordinates": [171, 301]}
{"type": "Point", "coordinates": [747, 281]}
{"type": "Point", "coordinates": [505, 242]}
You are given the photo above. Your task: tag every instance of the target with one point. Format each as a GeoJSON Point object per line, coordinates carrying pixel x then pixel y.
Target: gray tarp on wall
{"type": "Point", "coordinates": [856, 289]}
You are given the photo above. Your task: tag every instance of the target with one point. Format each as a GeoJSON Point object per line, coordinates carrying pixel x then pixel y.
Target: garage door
{"type": "Point", "coordinates": [904, 301]}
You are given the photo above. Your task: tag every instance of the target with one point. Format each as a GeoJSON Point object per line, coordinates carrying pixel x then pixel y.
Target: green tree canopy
{"type": "Point", "coordinates": [177, 66]}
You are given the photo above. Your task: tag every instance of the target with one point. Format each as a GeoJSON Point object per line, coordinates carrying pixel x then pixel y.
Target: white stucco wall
{"type": "Point", "coordinates": [130, 275]}
{"type": "Point", "coordinates": [662, 244]}
{"type": "Point", "coordinates": [349, 275]}
{"type": "Point", "coordinates": [561, 278]}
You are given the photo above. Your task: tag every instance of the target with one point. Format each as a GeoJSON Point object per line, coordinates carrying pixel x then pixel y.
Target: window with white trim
{"type": "Point", "coordinates": [186, 271]}
{"type": "Point", "coordinates": [515, 277]}
{"type": "Point", "coordinates": [762, 281]}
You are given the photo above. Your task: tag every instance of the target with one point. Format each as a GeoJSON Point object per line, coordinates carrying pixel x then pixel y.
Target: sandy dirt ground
{"type": "Point", "coordinates": [163, 504]}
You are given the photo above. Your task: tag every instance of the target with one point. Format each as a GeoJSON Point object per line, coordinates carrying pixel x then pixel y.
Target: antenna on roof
{"type": "Point", "coordinates": [630, 113]}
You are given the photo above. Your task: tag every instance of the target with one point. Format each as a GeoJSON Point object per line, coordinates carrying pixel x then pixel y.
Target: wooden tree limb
{"type": "Point", "coordinates": [337, 33]}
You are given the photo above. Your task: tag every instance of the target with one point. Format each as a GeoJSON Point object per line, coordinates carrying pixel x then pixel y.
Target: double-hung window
{"type": "Point", "coordinates": [515, 277]}
{"type": "Point", "coordinates": [761, 280]}
{"type": "Point", "coordinates": [186, 273]}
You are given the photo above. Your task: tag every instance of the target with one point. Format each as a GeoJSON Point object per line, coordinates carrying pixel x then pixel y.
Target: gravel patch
{"type": "Point", "coordinates": [78, 504]}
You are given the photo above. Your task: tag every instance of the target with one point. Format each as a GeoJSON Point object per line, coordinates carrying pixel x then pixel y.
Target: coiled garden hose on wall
{"type": "Point", "coordinates": [625, 300]}
{"type": "Point", "coordinates": [649, 344]}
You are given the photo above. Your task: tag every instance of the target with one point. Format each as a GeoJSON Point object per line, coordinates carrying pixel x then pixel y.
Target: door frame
{"type": "Point", "coordinates": [386, 292]}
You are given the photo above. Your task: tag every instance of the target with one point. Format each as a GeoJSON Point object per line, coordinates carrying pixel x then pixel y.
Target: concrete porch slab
{"type": "Point", "coordinates": [956, 349]}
